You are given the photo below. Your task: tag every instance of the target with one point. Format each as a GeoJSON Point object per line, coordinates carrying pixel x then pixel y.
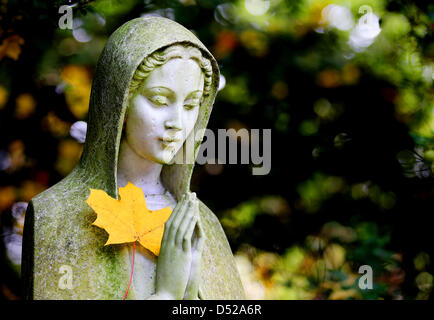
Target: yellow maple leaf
{"type": "Point", "coordinates": [11, 47]}
{"type": "Point", "coordinates": [128, 219]}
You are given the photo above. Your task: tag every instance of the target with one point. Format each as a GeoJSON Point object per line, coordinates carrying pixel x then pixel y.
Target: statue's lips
{"type": "Point", "coordinates": [169, 142]}
{"type": "Point", "coordinates": [169, 139]}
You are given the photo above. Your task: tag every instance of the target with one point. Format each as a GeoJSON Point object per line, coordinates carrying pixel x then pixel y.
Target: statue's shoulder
{"type": "Point", "coordinates": [45, 217]}
{"type": "Point", "coordinates": [62, 194]}
{"type": "Point", "coordinates": [58, 232]}
{"type": "Point", "coordinates": [46, 200]}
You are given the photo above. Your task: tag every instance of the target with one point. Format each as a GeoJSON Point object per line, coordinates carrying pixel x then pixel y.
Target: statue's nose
{"type": "Point", "coordinates": [175, 121]}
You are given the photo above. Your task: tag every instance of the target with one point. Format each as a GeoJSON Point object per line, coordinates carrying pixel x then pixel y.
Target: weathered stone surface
{"type": "Point", "coordinates": [58, 227]}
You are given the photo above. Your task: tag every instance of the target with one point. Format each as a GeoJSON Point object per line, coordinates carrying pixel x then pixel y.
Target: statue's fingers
{"type": "Point", "coordinates": [181, 212]}
{"type": "Point", "coordinates": [195, 239]}
{"type": "Point", "coordinates": [176, 219]}
{"type": "Point", "coordinates": [169, 222]}
{"type": "Point", "coordinates": [188, 216]}
{"type": "Point", "coordinates": [200, 240]}
{"type": "Point", "coordinates": [186, 239]}
{"type": "Point", "coordinates": [195, 201]}
{"type": "Point", "coordinates": [176, 210]}
{"type": "Point", "coordinates": [200, 232]}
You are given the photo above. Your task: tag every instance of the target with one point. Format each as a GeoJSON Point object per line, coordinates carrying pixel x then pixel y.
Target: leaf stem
{"type": "Point", "coordinates": [132, 269]}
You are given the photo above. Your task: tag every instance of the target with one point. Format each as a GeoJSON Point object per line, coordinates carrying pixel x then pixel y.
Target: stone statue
{"type": "Point", "coordinates": [153, 90]}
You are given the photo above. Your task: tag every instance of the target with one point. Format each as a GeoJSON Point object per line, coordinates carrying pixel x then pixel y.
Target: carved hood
{"type": "Point", "coordinates": [57, 228]}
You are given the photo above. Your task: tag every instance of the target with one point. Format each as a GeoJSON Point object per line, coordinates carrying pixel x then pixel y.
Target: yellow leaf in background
{"type": "Point", "coordinates": [55, 125]}
{"type": "Point", "coordinates": [344, 294]}
{"type": "Point", "coordinates": [7, 197]}
{"type": "Point", "coordinates": [78, 90]}
{"type": "Point", "coordinates": [279, 90]}
{"type": "Point", "coordinates": [69, 152]}
{"type": "Point", "coordinates": [3, 97]}
{"type": "Point", "coordinates": [17, 155]}
{"type": "Point", "coordinates": [10, 47]}
{"type": "Point", "coordinates": [29, 189]}
{"type": "Point", "coordinates": [75, 75]}
{"type": "Point", "coordinates": [128, 219]}
{"type": "Point", "coordinates": [334, 256]}
{"type": "Point", "coordinates": [25, 105]}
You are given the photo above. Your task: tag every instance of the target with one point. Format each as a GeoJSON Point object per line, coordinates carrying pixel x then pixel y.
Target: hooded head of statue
{"type": "Point", "coordinates": [153, 89]}
{"type": "Point", "coordinates": [124, 87]}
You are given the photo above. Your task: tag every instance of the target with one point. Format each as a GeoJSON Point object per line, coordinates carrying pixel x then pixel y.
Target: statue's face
{"type": "Point", "coordinates": [163, 113]}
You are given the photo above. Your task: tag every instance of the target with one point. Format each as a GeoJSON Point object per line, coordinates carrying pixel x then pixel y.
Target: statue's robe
{"type": "Point", "coordinates": [58, 230]}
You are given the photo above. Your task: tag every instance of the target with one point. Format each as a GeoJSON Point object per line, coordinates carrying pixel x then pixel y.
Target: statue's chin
{"type": "Point", "coordinates": [162, 161]}
{"type": "Point", "coordinates": [164, 157]}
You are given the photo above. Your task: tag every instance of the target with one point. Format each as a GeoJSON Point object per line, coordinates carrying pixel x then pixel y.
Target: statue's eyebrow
{"type": "Point", "coordinates": [195, 92]}
{"type": "Point", "coordinates": [162, 90]}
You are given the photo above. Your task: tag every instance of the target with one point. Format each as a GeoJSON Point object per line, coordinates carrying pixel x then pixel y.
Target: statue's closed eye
{"type": "Point", "coordinates": [191, 103]}
{"type": "Point", "coordinates": [163, 97]}
{"type": "Point", "coordinates": [164, 101]}
{"type": "Point", "coordinates": [193, 100]}
{"type": "Point", "coordinates": [159, 100]}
